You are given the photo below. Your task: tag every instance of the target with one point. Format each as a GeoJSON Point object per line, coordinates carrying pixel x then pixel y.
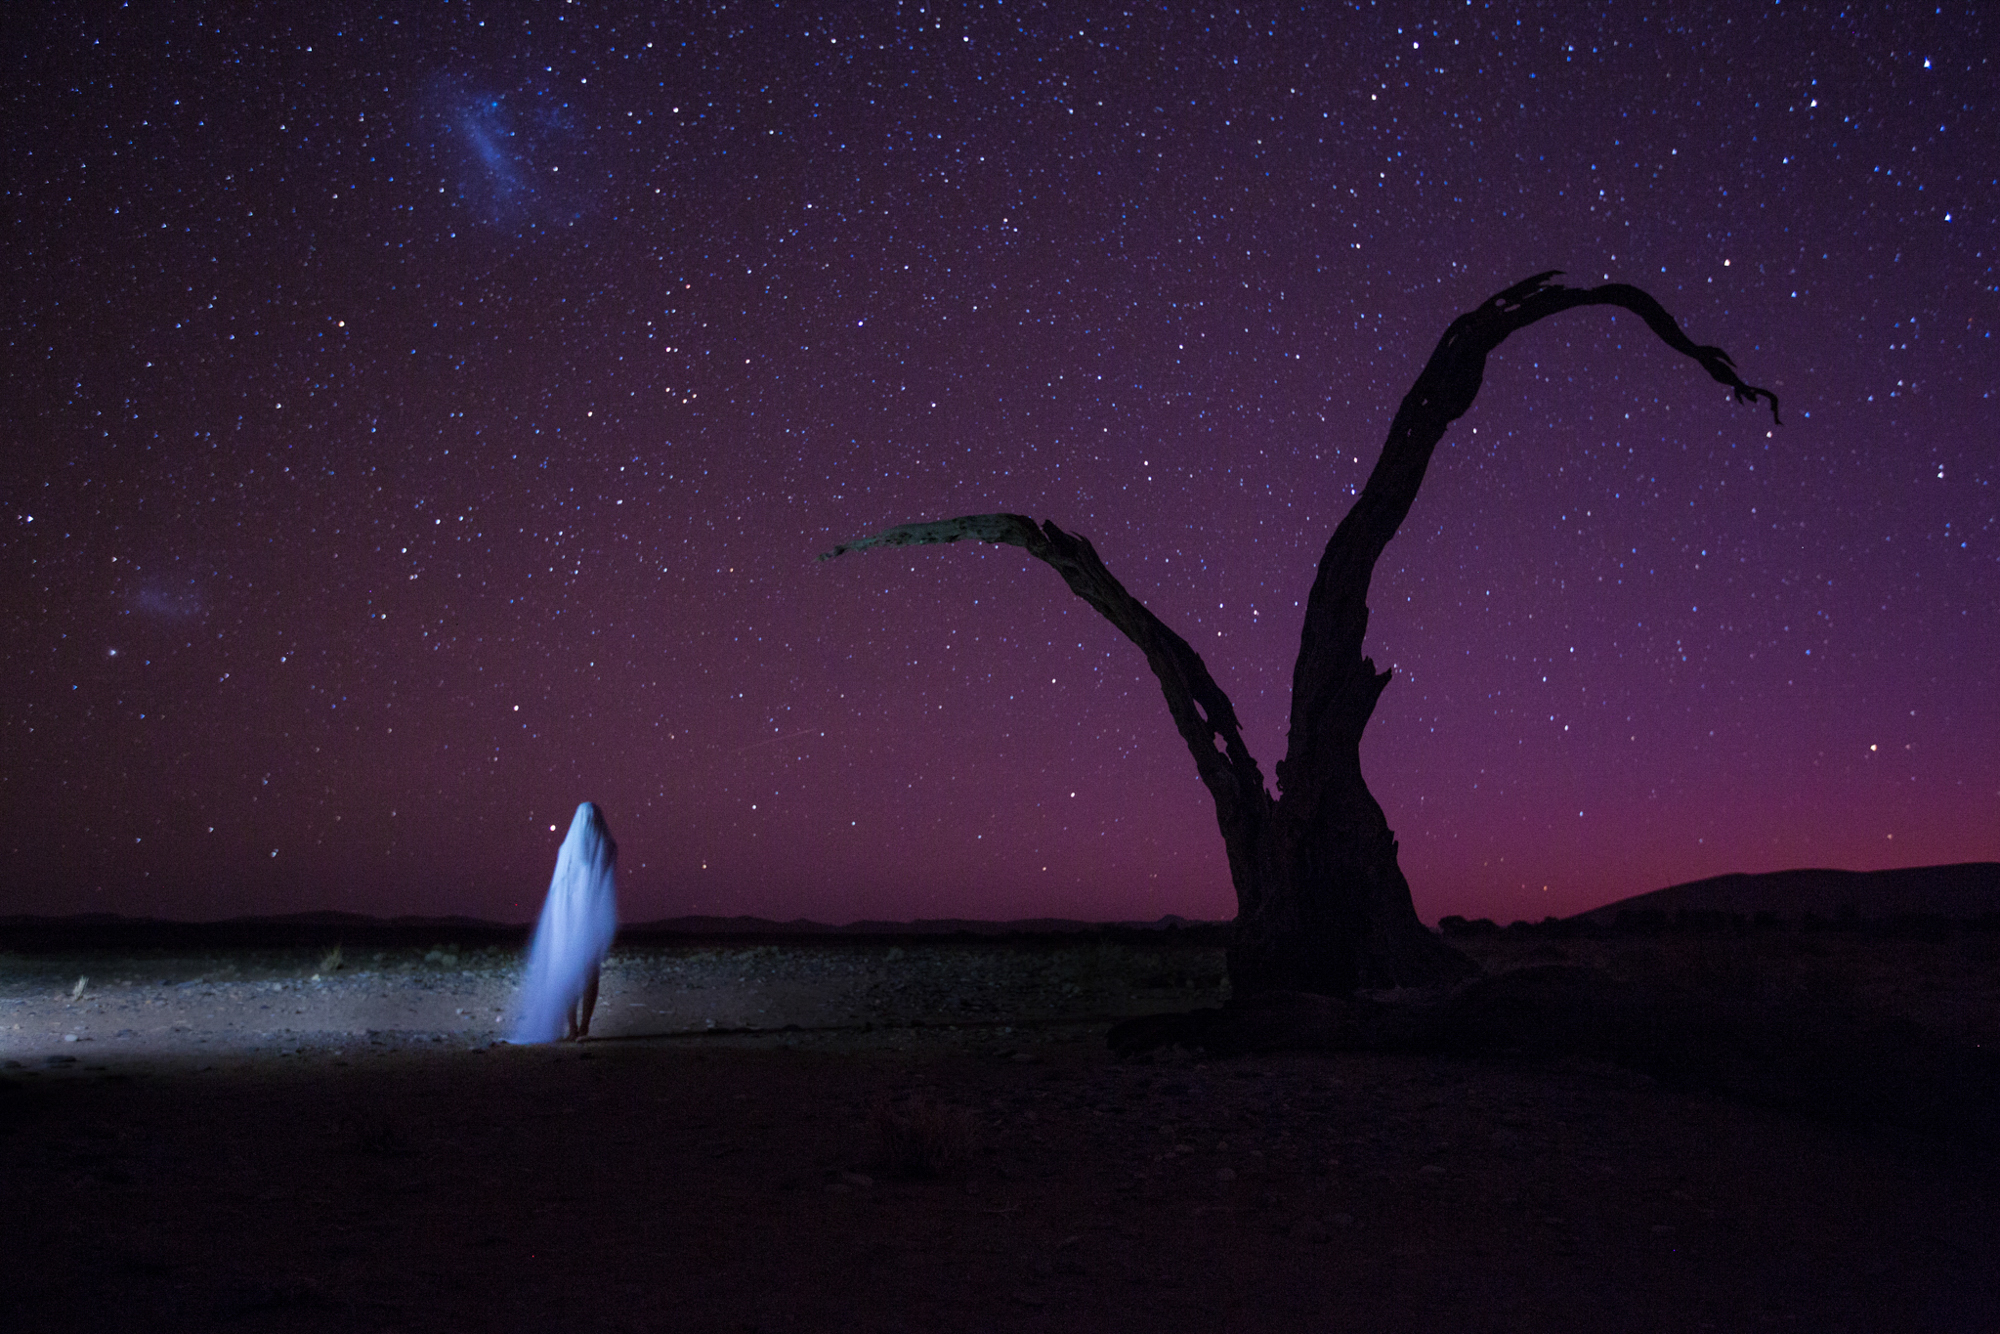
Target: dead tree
{"type": "Point", "coordinates": [1321, 905]}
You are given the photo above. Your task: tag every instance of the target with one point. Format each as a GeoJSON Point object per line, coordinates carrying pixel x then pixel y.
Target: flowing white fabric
{"type": "Point", "coordinates": [575, 930]}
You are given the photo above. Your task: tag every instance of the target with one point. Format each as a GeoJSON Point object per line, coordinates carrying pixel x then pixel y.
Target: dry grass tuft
{"type": "Point", "coordinates": [921, 1137]}
{"type": "Point", "coordinates": [332, 962]}
{"type": "Point", "coordinates": [378, 1137]}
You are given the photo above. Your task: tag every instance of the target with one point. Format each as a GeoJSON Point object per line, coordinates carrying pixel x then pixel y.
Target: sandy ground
{"type": "Point", "coordinates": [238, 1006]}
{"type": "Point", "coordinates": [228, 1143]}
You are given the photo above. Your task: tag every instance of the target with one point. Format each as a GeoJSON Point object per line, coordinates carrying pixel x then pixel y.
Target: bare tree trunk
{"type": "Point", "coordinates": [1322, 905]}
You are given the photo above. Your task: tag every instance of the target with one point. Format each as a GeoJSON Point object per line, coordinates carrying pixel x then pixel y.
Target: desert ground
{"type": "Point", "coordinates": [865, 1135]}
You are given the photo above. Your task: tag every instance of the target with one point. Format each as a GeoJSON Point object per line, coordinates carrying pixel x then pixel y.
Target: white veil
{"type": "Point", "coordinates": [575, 930]}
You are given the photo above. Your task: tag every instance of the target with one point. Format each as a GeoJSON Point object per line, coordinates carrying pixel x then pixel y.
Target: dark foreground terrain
{"type": "Point", "coordinates": [940, 1141]}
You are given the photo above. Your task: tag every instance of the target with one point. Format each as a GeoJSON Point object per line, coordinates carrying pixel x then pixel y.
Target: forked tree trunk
{"type": "Point", "coordinates": [1321, 905]}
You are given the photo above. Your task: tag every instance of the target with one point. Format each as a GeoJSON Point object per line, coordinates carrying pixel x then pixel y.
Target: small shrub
{"type": "Point", "coordinates": [379, 1137]}
{"type": "Point", "coordinates": [921, 1137]}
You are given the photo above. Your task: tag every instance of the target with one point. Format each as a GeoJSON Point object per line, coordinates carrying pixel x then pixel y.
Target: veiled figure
{"type": "Point", "coordinates": [559, 986]}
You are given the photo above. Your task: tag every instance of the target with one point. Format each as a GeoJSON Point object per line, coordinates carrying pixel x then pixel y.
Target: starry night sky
{"type": "Point", "coordinates": [420, 421]}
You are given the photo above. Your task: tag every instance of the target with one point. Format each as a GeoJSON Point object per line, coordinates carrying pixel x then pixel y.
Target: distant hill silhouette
{"type": "Point", "coordinates": [1962, 891]}
{"type": "Point", "coordinates": [318, 930]}
{"type": "Point", "coordinates": [937, 926]}
{"type": "Point", "coordinates": [322, 930]}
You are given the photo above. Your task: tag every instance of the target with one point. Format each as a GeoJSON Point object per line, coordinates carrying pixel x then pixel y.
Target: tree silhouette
{"type": "Point", "coordinates": [1321, 904]}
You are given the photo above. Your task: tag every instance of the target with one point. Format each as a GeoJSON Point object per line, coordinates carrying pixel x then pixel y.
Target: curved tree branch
{"type": "Point", "coordinates": [1331, 679]}
{"type": "Point", "coordinates": [1201, 710]}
